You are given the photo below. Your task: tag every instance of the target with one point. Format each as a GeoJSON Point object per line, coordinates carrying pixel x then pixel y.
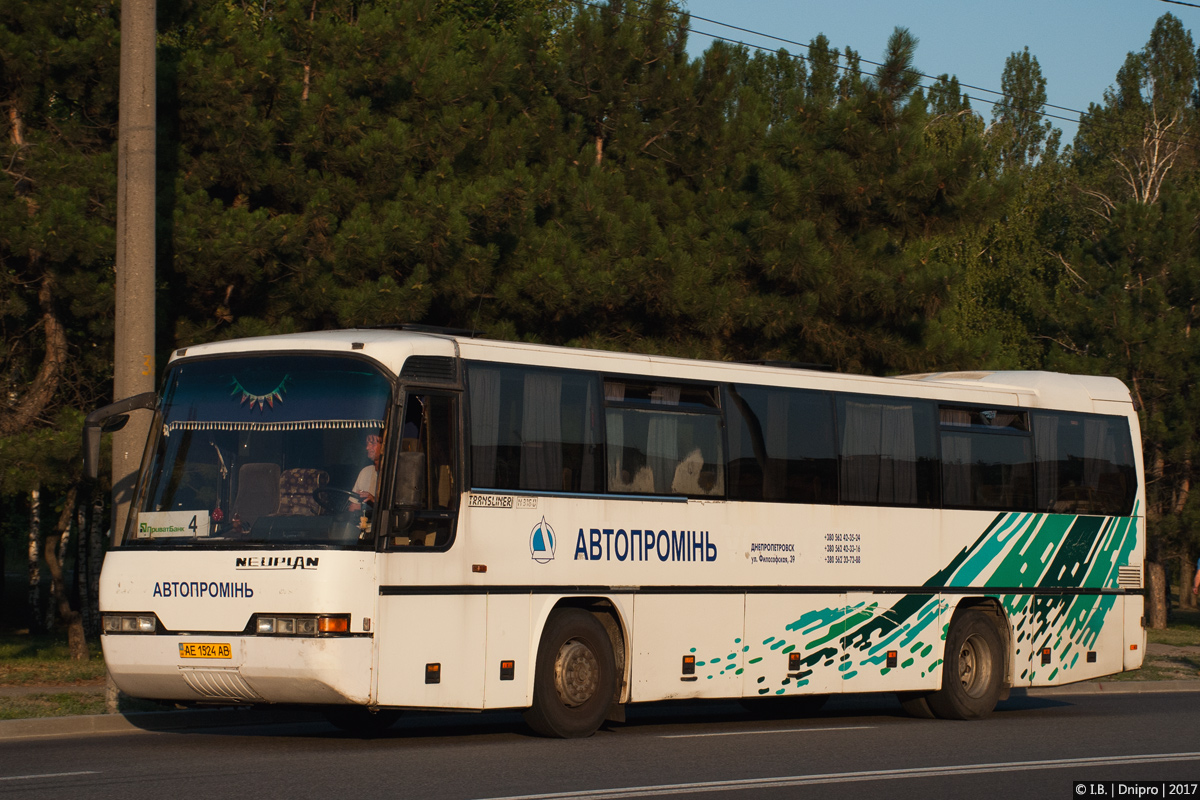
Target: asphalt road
{"type": "Point", "coordinates": [860, 746]}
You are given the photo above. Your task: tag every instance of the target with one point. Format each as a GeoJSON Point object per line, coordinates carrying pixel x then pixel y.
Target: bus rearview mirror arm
{"type": "Point", "coordinates": [106, 420]}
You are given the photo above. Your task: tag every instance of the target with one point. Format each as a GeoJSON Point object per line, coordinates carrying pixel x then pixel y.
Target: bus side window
{"type": "Point", "coordinates": [887, 451]}
{"type": "Point", "coordinates": [781, 445]}
{"type": "Point", "coordinates": [534, 429]}
{"type": "Point", "coordinates": [1085, 464]}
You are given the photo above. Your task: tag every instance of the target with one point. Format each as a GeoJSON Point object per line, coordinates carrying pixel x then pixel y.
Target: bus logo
{"type": "Point", "coordinates": [541, 542]}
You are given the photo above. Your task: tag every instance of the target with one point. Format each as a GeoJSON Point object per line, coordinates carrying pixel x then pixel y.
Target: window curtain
{"type": "Point", "coordinates": [541, 425]}
{"type": "Point", "coordinates": [860, 452]}
{"type": "Point", "coordinates": [485, 425]}
{"type": "Point", "coordinates": [898, 456]}
{"type": "Point", "coordinates": [662, 440]}
{"type": "Point", "coordinates": [614, 392]}
{"type": "Point", "coordinates": [879, 453]}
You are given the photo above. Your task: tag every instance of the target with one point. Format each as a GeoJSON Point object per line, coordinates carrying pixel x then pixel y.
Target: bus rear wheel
{"type": "Point", "coordinates": [973, 674]}
{"type": "Point", "coordinates": [574, 678]}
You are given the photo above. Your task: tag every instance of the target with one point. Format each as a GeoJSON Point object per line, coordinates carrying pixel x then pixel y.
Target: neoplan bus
{"type": "Point", "coordinates": [567, 531]}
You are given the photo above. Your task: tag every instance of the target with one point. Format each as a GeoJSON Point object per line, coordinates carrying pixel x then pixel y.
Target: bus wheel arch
{"type": "Point", "coordinates": [579, 669]}
{"type": "Point", "coordinates": [977, 662]}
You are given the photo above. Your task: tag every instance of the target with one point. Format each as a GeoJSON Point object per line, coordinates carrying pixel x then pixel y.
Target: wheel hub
{"type": "Point", "coordinates": [974, 665]}
{"type": "Point", "coordinates": [576, 673]}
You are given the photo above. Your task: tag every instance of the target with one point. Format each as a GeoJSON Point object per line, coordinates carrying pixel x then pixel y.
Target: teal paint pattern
{"type": "Point", "coordinates": [1016, 553]}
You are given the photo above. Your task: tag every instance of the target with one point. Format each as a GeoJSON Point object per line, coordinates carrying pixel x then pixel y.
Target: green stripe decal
{"type": "Point", "coordinates": [1019, 550]}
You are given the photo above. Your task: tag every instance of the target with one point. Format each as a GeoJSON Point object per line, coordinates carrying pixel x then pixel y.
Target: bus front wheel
{"type": "Point", "coordinates": [973, 673]}
{"type": "Point", "coordinates": [574, 678]}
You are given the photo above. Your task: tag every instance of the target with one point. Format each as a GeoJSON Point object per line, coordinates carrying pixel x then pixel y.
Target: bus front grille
{"type": "Point", "coordinates": [218, 683]}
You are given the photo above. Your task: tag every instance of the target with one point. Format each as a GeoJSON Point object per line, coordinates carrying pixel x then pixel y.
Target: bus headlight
{"type": "Point", "coordinates": [274, 625]}
{"type": "Point", "coordinates": [129, 623]}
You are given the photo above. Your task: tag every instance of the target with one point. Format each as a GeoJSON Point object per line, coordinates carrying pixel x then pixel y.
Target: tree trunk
{"type": "Point", "coordinates": [1156, 600]}
{"type": "Point", "coordinates": [55, 547]}
{"type": "Point", "coordinates": [81, 563]}
{"type": "Point", "coordinates": [41, 391]}
{"type": "Point", "coordinates": [35, 558]}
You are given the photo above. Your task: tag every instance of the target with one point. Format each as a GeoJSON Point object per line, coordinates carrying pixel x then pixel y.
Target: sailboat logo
{"type": "Point", "coordinates": [541, 542]}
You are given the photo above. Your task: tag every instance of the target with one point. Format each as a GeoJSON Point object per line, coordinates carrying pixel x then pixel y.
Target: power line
{"type": "Point", "coordinates": [1181, 3]}
{"type": "Point", "coordinates": [1175, 137]}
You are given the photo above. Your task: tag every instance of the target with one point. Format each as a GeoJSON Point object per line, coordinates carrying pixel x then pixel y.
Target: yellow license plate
{"type": "Point", "coordinates": [205, 650]}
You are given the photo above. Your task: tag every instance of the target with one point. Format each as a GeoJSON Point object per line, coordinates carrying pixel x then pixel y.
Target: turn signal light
{"type": "Point", "coordinates": [334, 624]}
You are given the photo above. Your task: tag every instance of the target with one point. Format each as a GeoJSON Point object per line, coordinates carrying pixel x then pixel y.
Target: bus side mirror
{"type": "Point", "coordinates": [409, 490]}
{"type": "Point", "coordinates": [106, 420]}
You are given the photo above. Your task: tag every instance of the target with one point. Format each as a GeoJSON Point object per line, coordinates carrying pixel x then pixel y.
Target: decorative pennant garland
{"type": "Point", "coordinates": [260, 400]}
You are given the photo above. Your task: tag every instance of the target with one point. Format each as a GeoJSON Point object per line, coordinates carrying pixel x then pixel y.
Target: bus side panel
{"type": "Point", "coordinates": [417, 632]}
{"type": "Point", "coordinates": [508, 639]}
{"type": "Point", "coordinates": [669, 627]}
{"type": "Point", "coordinates": [907, 627]}
{"type": "Point", "coordinates": [809, 625]}
{"type": "Point", "coordinates": [1135, 631]}
{"type": "Point", "coordinates": [1067, 631]}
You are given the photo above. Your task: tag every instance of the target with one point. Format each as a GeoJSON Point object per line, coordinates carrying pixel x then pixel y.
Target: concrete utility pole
{"type": "Point", "coordinates": [133, 360]}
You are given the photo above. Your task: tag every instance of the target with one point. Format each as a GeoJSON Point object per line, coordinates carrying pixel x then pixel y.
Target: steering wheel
{"type": "Point", "coordinates": [334, 500]}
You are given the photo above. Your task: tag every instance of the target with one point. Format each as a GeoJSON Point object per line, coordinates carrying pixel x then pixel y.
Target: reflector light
{"type": "Point", "coordinates": [1133, 647]}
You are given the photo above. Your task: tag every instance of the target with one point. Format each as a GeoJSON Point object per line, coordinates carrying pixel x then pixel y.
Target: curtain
{"type": "Point", "coordinates": [541, 426]}
{"type": "Point", "coordinates": [898, 455]}
{"type": "Point", "coordinates": [485, 425]}
{"type": "Point", "coordinates": [879, 453]}
{"type": "Point", "coordinates": [614, 391]}
{"type": "Point", "coordinates": [662, 440]}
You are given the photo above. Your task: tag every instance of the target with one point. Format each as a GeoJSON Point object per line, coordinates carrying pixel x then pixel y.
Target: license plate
{"type": "Point", "coordinates": [205, 650]}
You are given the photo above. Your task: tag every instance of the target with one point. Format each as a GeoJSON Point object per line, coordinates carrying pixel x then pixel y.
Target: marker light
{"type": "Point", "coordinates": [334, 624]}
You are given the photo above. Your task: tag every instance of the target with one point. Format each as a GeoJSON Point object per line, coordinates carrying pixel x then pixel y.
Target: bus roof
{"type": "Point", "coordinates": [391, 347]}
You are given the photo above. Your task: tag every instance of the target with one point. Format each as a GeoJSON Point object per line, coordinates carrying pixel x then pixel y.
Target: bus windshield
{"type": "Point", "coordinates": [264, 450]}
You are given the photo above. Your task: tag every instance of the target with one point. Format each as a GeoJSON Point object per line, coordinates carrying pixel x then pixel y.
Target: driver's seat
{"type": "Point", "coordinates": [296, 487]}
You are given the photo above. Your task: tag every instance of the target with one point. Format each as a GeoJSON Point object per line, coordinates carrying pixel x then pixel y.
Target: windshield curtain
{"type": "Point", "coordinates": [264, 450]}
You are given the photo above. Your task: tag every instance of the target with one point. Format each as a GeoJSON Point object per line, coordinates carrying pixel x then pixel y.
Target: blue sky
{"type": "Point", "coordinates": [1079, 45]}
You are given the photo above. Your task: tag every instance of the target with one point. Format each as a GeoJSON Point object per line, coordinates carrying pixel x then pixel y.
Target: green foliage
{"type": "Point", "coordinates": [567, 173]}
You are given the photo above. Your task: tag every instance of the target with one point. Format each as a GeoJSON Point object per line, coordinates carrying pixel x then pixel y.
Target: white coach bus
{"type": "Point", "coordinates": [378, 520]}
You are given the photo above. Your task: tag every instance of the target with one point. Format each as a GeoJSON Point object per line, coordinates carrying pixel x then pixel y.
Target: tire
{"type": "Point", "coordinates": [360, 720]}
{"type": "Point", "coordinates": [973, 674]}
{"type": "Point", "coordinates": [575, 676]}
